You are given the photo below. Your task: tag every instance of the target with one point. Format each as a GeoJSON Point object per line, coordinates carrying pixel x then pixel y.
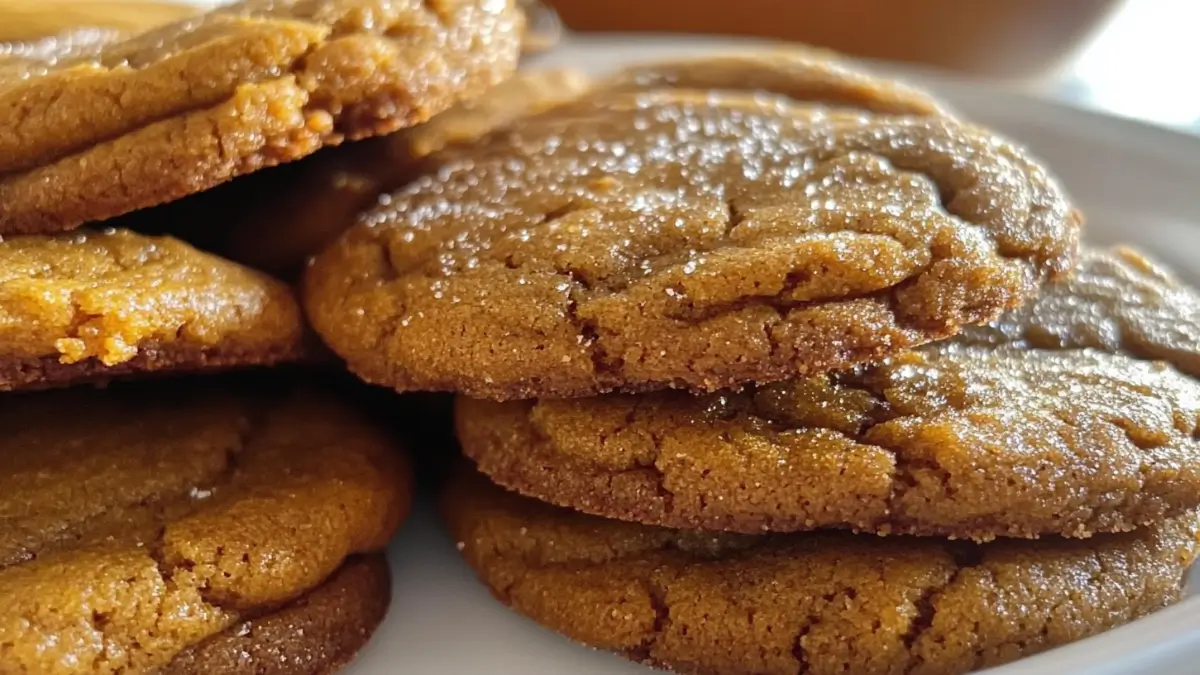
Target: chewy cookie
{"type": "Point", "coordinates": [687, 239]}
{"type": "Point", "coordinates": [314, 635]}
{"type": "Point", "coordinates": [138, 523]}
{"type": "Point", "coordinates": [813, 604]}
{"type": "Point", "coordinates": [187, 106]}
{"type": "Point", "coordinates": [88, 306]}
{"type": "Point", "coordinates": [950, 440]}
{"type": "Point", "coordinates": [1020, 434]}
{"type": "Point", "coordinates": [1118, 300]}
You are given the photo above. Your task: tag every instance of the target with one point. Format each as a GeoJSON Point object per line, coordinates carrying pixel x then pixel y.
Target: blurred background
{"type": "Point", "coordinates": [1134, 58]}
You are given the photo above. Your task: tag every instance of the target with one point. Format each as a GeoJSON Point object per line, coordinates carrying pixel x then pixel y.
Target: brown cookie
{"type": "Point", "coordinates": [1119, 301]}
{"type": "Point", "coordinates": [275, 219]}
{"type": "Point", "coordinates": [187, 106]}
{"type": "Point", "coordinates": [317, 634]}
{"type": "Point", "coordinates": [686, 238]}
{"type": "Point", "coordinates": [949, 440]}
{"type": "Point", "coordinates": [814, 604]}
{"type": "Point", "coordinates": [143, 520]}
{"type": "Point", "coordinates": [1019, 435]}
{"type": "Point", "coordinates": [90, 306]}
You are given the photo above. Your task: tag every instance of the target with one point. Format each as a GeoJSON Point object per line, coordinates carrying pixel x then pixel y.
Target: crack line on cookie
{"type": "Point", "coordinates": [563, 474]}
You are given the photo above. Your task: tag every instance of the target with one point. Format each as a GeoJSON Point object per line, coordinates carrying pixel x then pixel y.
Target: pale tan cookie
{"type": "Point", "coordinates": [143, 520]}
{"type": "Point", "coordinates": [187, 106]}
{"type": "Point", "coordinates": [1118, 300]}
{"type": "Point", "coordinates": [317, 634]}
{"type": "Point", "coordinates": [684, 238]}
{"type": "Point", "coordinates": [90, 306]}
{"type": "Point", "coordinates": [813, 604]}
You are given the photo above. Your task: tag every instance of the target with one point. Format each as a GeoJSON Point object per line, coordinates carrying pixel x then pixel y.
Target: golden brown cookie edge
{"type": "Point", "coordinates": [317, 634]}
{"type": "Point", "coordinates": [296, 130]}
{"type": "Point", "coordinates": [481, 516]}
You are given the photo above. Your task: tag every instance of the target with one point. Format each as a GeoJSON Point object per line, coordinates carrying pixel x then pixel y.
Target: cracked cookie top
{"type": "Point", "coordinates": [686, 238]}
{"type": "Point", "coordinates": [1012, 429]}
{"type": "Point", "coordinates": [809, 603]}
{"type": "Point", "coordinates": [181, 108]}
{"type": "Point", "coordinates": [1117, 300]}
{"type": "Point", "coordinates": [137, 522]}
{"type": "Point", "coordinates": [968, 442]}
{"type": "Point", "coordinates": [89, 306]}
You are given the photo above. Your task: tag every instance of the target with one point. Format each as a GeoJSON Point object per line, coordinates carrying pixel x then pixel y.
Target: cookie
{"type": "Point", "coordinates": [314, 635]}
{"type": "Point", "coordinates": [1011, 430]}
{"type": "Point", "coordinates": [89, 306]}
{"type": "Point", "coordinates": [956, 441]}
{"type": "Point", "coordinates": [275, 219]}
{"type": "Point", "coordinates": [138, 522]}
{"type": "Point", "coordinates": [688, 239]}
{"type": "Point", "coordinates": [187, 106]}
{"type": "Point", "coordinates": [809, 603]}
{"type": "Point", "coordinates": [1119, 301]}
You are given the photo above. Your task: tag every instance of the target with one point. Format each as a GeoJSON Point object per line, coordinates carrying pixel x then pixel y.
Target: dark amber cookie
{"type": "Point", "coordinates": [815, 604]}
{"type": "Point", "coordinates": [1118, 300]}
{"type": "Point", "coordinates": [184, 107]}
{"type": "Point", "coordinates": [90, 306]}
{"type": "Point", "coordinates": [686, 238]}
{"type": "Point", "coordinates": [315, 635]}
{"type": "Point", "coordinates": [138, 522]}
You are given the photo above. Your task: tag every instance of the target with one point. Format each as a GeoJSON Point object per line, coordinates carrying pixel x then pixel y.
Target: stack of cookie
{"type": "Point", "coordinates": [776, 367]}
{"type": "Point", "coordinates": [197, 523]}
{"type": "Point", "coordinates": [766, 365]}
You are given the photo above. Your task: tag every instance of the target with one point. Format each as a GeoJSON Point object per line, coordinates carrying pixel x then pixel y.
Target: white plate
{"type": "Point", "coordinates": [1136, 183]}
